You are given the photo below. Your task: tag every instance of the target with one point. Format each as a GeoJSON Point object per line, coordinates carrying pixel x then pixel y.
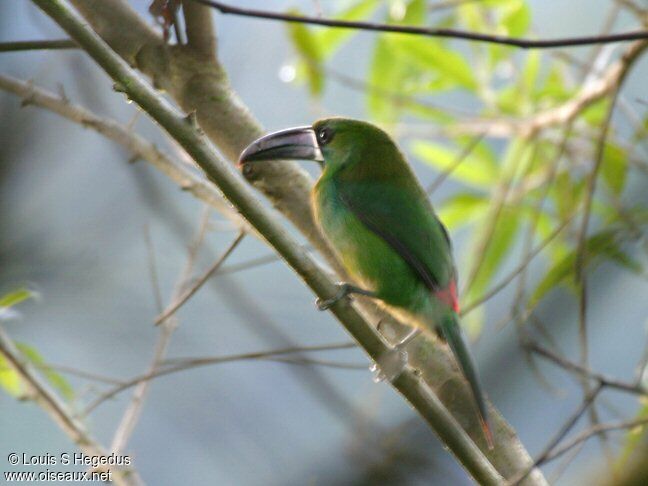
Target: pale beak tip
{"type": "Point", "coordinates": [247, 153]}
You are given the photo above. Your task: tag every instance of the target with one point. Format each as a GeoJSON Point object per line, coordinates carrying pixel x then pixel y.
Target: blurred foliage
{"type": "Point", "coordinates": [10, 381]}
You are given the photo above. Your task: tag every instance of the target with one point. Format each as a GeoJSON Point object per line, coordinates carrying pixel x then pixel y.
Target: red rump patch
{"type": "Point", "coordinates": [449, 296]}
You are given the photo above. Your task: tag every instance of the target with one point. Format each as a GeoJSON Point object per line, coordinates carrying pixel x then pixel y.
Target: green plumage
{"type": "Point", "coordinates": [379, 221]}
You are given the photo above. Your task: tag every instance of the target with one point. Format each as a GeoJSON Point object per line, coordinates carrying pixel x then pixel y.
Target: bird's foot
{"type": "Point", "coordinates": [344, 290]}
{"type": "Point", "coordinates": [391, 364]}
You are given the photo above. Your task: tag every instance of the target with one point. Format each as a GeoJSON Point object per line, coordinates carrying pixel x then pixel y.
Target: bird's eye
{"type": "Point", "coordinates": [324, 136]}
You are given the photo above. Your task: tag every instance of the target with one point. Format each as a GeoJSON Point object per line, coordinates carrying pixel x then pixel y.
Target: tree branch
{"type": "Point", "coordinates": [586, 372]}
{"type": "Point", "coordinates": [591, 432]}
{"type": "Point", "coordinates": [200, 29]}
{"type": "Point", "coordinates": [188, 293]}
{"type": "Point", "coordinates": [564, 430]}
{"type": "Point", "coordinates": [428, 32]}
{"type": "Point", "coordinates": [181, 364]}
{"type": "Point", "coordinates": [37, 45]}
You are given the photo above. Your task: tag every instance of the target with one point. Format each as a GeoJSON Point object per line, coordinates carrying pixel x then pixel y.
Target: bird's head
{"type": "Point", "coordinates": [336, 143]}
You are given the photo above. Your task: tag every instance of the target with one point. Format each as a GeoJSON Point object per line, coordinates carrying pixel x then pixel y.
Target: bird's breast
{"type": "Point", "coordinates": [369, 260]}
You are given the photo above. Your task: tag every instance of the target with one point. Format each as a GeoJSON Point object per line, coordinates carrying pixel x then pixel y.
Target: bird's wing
{"type": "Point", "coordinates": [404, 219]}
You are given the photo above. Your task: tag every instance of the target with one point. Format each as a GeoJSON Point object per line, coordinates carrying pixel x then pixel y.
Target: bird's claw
{"type": "Point", "coordinates": [326, 304]}
{"type": "Point", "coordinates": [390, 365]}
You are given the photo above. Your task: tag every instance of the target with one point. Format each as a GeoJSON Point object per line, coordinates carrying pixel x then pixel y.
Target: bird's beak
{"type": "Point", "coordinates": [294, 143]}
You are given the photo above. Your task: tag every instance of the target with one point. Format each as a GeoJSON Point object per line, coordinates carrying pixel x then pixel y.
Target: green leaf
{"type": "Point", "coordinates": [475, 169]}
{"type": "Point", "coordinates": [385, 73]}
{"type": "Point", "coordinates": [634, 437]}
{"type": "Point", "coordinates": [310, 53]}
{"type": "Point", "coordinates": [614, 168]}
{"type": "Point", "coordinates": [595, 113]}
{"type": "Point", "coordinates": [500, 242]}
{"type": "Point", "coordinates": [430, 55]}
{"type": "Point", "coordinates": [15, 297]}
{"type": "Point", "coordinates": [9, 379]}
{"type": "Point", "coordinates": [530, 72]}
{"type": "Point", "coordinates": [554, 89]}
{"type": "Point", "coordinates": [55, 379]}
{"type": "Point", "coordinates": [330, 40]}
{"type": "Point", "coordinates": [509, 100]}
{"type": "Point", "coordinates": [566, 193]}
{"type": "Point", "coordinates": [471, 16]}
{"type": "Point", "coordinates": [516, 18]}
{"type": "Point", "coordinates": [601, 246]}
{"type": "Point", "coordinates": [389, 72]}
{"type": "Point", "coordinates": [415, 13]}
{"type": "Point", "coordinates": [462, 208]}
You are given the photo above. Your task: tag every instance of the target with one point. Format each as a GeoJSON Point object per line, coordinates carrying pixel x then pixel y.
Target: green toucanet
{"type": "Point", "coordinates": [380, 223]}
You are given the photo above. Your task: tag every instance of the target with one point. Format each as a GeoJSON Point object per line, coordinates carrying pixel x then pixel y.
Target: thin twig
{"type": "Point", "coordinates": [134, 409]}
{"type": "Point", "coordinates": [79, 373]}
{"type": "Point", "coordinates": [562, 432]}
{"type": "Point", "coordinates": [581, 250]}
{"type": "Point", "coordinates": [182, 364]}
{"type": "Point", "coordinates": [585, 372]}
{"type": "Point", "coordinates": [592, 431]}
{"type": "Point", "coordinates": [519, 269]}
{"type": "Point", "coordinates": [38, 45]}
{"type": "Point", "coordinates": [463, 155]}
{"type": "Point", "coordinates": [429, 32]}
{"type": "Point", "coordinates": [152, 265]}
{"type": "Point", "coordinates": [187, 294]}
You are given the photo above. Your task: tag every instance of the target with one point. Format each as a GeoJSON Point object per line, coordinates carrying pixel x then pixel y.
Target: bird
{"type": "Point", "coordinates": [381, 225]}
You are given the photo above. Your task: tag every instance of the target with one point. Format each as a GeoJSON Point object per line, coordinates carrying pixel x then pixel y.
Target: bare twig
{"type": "Point", "coordinates": [585, 372]}
{"type": "Point", "coordinates": [153, 272]}
{"type": "Point", "coordinates": [182, 364]}
{"type": "Point", "coordinates": [188, 293]}
{"type": "Point", "coordinates": [38, 45]}
{"type": "Point", "coordinates": [592, 431]}
{"type": "Point", "coordinates": [79, 373]}
{"type": "Point", "coordinates": [134, 409]}
{"type": "Point", "coordinates": [429, 32]}
{"type": "Point", "coordinates": [562, 432]}
{"type": "Point", "coordinates": [463, 155]}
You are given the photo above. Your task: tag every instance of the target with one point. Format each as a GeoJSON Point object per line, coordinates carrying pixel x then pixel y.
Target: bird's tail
{"type": "Point", "coordinates": [451, 331]}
